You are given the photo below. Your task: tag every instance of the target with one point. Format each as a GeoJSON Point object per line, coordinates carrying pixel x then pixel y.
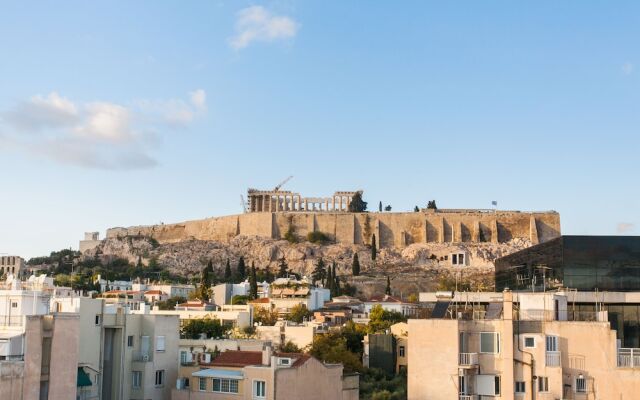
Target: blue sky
{"type": "Point", "coordinates": [121, 113]}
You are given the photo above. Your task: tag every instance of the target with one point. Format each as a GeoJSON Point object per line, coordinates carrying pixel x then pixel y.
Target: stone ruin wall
{"type": "Point", "coordinates": [395, 230]}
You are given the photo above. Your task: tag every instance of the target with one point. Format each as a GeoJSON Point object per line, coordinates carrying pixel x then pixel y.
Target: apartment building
{"type": "Point", "coordinates": [391, 303]}
{"type": "Point", "coordinates": [518, 345]}
{"type": "Point", "coordinates": [258, 375]}
{"type": "Point", "coordinates": [38, 352]}
{"type": "Point", "coordinates": [124, 355]}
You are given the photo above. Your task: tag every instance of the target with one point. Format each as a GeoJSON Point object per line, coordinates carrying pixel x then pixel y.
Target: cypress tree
{"type": "Point", "coordinates": [335, 285]}
{"type": "Point", "coordinates": [283, 270]}
{"type": "Point", "coordinates": [387, 290]}
{"type": "Point", "coordinates": [253, 282]}
{"type": "Point", "coordinates": [227, 272]}
{"type": "Point", "coordinates": [241, 270]}
{"type": "Point", "coordinates": [329, 281]}
{"type": "Point", "coordinates": [355, 265]}
{"type": "Point", "coordinates": [319, 272]}
{"type": "Point", "coordinates": [374, 249]}
{"type": "Point", "coordinates": [380, 207]}
{"type": "Point", "coordinates": [268, 276]}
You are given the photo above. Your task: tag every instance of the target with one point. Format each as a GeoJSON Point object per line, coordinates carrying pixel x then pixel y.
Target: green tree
{"type": "Point", "coordinates": [253, 282]}
{"type": "Point", "coordinates": [329, 281]}
{"type": "Point", "coordinates": [239, 300]}
{"type": "Point", "coordinates": [332, 348]}
{"type": "Point", "coordinates": [387, 290]}
{"type": "Point", "coordinates": [357, 204]}
{"type": "Point", "coordinates": [432, 205]}
{"type": "Point", "coordinates": [283, 268]}
{"type": "Point", "coordinates": [195, 327]}
{"type": "Point", "coordinates": [380, 206]}
{"type": "Point", "coordinates": [268, 275]}
{"type": "Point", "coordinates": [416, 209]}
{"type": "Point", "coordinates": [374, 248]}
{"type": "Point", "coordinates": [381, 319]}
{"type": "Point", "coordinates": [170, 303]}
{"type": "Point", "coordinates": [335, 284]}
{"type": "Point", "coordinates": [355, 265]}
{"type": "Point", "coordinates": [387, 208]}
{"type": "Point", "coordinates": [299, 313]}
{"type": "Point", "coordinates": [265, 316]}
{"type": "Point", "coordinates": [204, 290]}
{"type": "Point", "coordinates": [319, 272]}
{"type": "Point", "coordinates": [289, 347]}
{"type": "Point", "coordinates": [227, 272]}
{"type": "Point", "coordinates": [241, 270]}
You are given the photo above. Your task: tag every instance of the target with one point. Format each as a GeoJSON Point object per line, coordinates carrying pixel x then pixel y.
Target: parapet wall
{"type": "Point", "coordinates": [391, 229]}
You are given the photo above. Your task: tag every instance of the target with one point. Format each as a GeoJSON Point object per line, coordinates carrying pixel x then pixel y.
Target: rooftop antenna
{"type": "Point", "coordinates": [279, 185]}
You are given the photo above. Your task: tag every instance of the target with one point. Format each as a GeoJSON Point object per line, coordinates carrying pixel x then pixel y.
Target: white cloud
{"type": "Point", "coordinates": [625, 227]}
{"type": "Point", "coordinates": [96, 134]}
{"type": "Point", "coordinates": [627, 68]}
{"type": "Point", "coordinates": [256, 23]}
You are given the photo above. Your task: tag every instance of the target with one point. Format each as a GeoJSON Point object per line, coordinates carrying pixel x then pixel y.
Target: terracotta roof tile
{"type": "Point", "coordinates": [237, 358]}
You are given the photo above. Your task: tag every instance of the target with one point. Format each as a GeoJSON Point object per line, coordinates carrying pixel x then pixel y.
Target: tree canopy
{"type": "Point", "coordinates": [195, 327]}
{"type": "Point", "coordinates": [357, 204]}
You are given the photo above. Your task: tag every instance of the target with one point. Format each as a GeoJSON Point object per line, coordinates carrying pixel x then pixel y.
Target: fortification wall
{"type": "Point", "coordinates": [391, 229]}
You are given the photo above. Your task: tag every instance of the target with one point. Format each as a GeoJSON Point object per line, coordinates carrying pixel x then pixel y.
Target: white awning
{"type": "Point", "coordinates": [218, 373]}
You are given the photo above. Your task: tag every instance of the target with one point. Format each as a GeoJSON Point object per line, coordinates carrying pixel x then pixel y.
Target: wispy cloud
{"type": "Point", "coordinates": [625, 227]}
{"type": "Point", "coordinates": [96, 134]}
{"type": "Point", "coordinates": [257, 24]}
{"type": "Point", "coordinates": [627, 68]}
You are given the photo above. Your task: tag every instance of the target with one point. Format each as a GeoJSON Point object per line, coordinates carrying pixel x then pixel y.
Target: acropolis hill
{"type": "Point", "coordinates": [271, 214]}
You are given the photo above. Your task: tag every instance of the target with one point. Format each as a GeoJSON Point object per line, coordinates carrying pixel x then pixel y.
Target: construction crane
{"type": "Point", "coordinates": [243, 203]}
{"type": "Point", "coordinates": [279, 185]}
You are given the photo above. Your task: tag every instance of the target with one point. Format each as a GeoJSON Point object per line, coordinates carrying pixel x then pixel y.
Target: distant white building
{"type": "Point", "coordinates": [390, 303]}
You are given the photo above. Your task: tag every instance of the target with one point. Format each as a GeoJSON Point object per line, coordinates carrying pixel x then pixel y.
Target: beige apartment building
{"type": "Point", "coordinates": [38, 350]}
{"type": "Point", "coordinates": [264, 375]}
{"type": "Point", "coordinates": [13, 265]}
{"type": "Point", "coordinates": [518, 346]}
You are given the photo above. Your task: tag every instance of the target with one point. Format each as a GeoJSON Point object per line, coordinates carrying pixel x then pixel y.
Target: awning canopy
{"type": "Point", "coordinates": [218, 373]}
{"type": "Point", "coordinates": [83, 378]}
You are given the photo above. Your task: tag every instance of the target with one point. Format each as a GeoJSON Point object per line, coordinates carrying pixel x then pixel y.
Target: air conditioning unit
{"type": "Point", "coordinates": [207, 358]}
{"type": "Point", "coordinates": [145, 357]}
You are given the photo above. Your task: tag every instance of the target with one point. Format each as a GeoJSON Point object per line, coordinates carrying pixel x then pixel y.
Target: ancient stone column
{"type": "Point", "coordinates": [277, 203]}
{"type": "Point", "coordinates": [264, 203]}
{"type": "Point", "coordinates": [326, 204]}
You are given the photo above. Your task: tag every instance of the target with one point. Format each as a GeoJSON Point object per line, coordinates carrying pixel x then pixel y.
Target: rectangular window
{"type": "Point", "coordinates": [552, 343]}
{"type": "Point", "coordinates": [160, 377]}
{"type": "Point", "coordinates": [159, 343]}
{"type": "Point", "coordinates": [462, 387]}
{"type": "Point", "coordinates": [520, 387]}
{"type": "Point", "coordinates": [136, 379]}
{"type": "Point", "coordinates": [130, 341]}
{"type": "Point", "coordinates": [203, 384]}
{"type": "Point", "coordinates": [225, 385]}
{"type": "Point", "coordinates": [489, 342]}
{"type": "Point", "coordinates": [454, 259]}
{"type": "Point", "coordinates": [14, 304]}
{"type": "Point", "coordinates": [496, 381]}
{"type": "Point", "coordinates": [543, 384]}
{"type": "Point", "coordinates": [259, 389]}
{"type": "Point", "coordinates": [401, 351]}
{"type": "Point", "coordinates": [529, 342]}
{"type": "Point", "coordinates": [581, 385]}
{"type": "Point", "coordinates": [97, 319]}
{"type": "Point", "coordinates": [460, 259]}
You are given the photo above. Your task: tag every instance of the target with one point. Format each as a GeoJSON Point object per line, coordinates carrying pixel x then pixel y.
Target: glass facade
{"type": "Point", "coordinates": [586, 263]}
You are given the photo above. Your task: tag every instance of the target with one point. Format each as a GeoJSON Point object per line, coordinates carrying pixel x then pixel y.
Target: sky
{"type": "Point", "coordinates": [119, 113]}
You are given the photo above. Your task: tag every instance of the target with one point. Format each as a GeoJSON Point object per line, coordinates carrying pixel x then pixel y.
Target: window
{"type": "Point", "coordinates": [529, 342]}
{"type": "Point", "coordinates": [581, 384]}
{"type": "Point", "coordinates": [284, 361]}
{"type": "Point", "coordinates": [520, 387]}
{"type": "Point", "coordinates": [489, 342]}
{"type": "Point", "coordinates": [496, 382]}
{"type": "Point", "coordinates": [159, 343]}
{"type": "Point", "coordinates": [401, 351]}
{"type": "Point", "coordinates": [14, 304]}
{"type": "Point", "coordinates": [457, 259]}
{"type": "Point", "coordinates": [136, 379]}
{"type": "Point", "coordinates": [454, 259]}
{"type": "Point", "coordinates": [487, 385]}
{"type": "Point", "coordinates": [462, 387]}
{"type": "Point", "coordinates": [225, 385]}
{"type": "Point", "coordinates": [130, 341]}
{"type": "Point", "coordinates": [202, 384]}
{"type": "Point", "coordinates": [97, 319]}
{"type": "Point", "coordinates": [259, 389]}
{"type": "Point", "coordinates": [543, 384]}
{"type": "Point", "coordinates": [160, 377]}
{"type": "Point", "coordinates": [552, 343]}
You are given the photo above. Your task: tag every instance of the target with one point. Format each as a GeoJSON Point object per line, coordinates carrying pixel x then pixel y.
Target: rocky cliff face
{"type": "Point", "coordinates": [416, 267]}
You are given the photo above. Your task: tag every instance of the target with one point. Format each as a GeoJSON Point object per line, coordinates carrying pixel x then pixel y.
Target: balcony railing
{"type": "Point", "coordinates": [468, 397]}
{"type": "Point", "coordinates": [552, 359]}
{"type": "Point", "coordinates": [628, 358]}
{"type": "Point", "coordinates": [468, 359]}
{"type": "Point", "coordinates": [141, 357]}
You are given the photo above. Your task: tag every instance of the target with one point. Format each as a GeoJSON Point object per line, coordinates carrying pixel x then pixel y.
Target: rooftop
{"type": "Point", "coordinates": [238, 358]}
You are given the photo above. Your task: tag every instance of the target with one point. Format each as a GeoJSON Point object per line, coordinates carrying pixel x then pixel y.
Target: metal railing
{"type": "Point", "coordinates": [11, 320]}
{"type": "Point", "coordinates": [467, 397]}
{"type": "Point", "coordinates": [628, 358]}
{"type": "Point", "coordinates": [468, 359]}
{"type": "Point", "coordinates": [552, 358]}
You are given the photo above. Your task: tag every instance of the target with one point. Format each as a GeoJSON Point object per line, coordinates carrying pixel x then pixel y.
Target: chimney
{"type": "Point", "coordinates": [266, 354]}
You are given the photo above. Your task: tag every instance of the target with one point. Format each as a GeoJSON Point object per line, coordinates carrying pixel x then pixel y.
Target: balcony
{"type": "Point", "coordinates": [552, 359]}
{"type": "Point", "coordinates": [468, 359]}
{"type": "Point", "coordinates": [139, 356]}
{"type": "Point", "coordinates": [468, 397]}
{"type": "Point", "coordinates": [628, 358]}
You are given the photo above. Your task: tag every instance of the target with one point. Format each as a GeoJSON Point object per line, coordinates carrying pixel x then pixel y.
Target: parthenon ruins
{"type": "Point", "coordinates": [284, 200]}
